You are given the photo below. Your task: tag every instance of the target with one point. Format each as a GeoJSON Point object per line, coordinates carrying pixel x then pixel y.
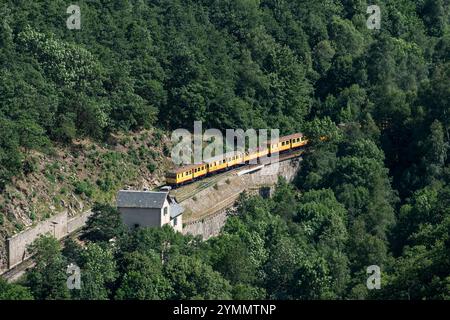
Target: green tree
{"type": "Point", "coordinates": [104, 224]}
{"type": "Point", "coordinates": [48, 279]}
{"type": "Point", "coordinates": [192, 279]}
{"type": "Point", "coordinates": [142, 278]}
{"type": "Point", "coordinates": [98, 272]}
{"type": "Point", "coordinates": [14, 291]}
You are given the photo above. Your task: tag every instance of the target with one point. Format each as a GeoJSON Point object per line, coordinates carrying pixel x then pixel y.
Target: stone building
{"type": "Point", "coordinates": [149, 209]}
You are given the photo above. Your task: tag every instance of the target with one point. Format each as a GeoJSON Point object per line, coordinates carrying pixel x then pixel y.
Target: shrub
{"type": "Point", "coordinates": [30, 165]}
{"type": "Point", "coordinates": [84, 187]}
{"type": "Point", "coordinates": [105, 184]}
{"type": "Point", "coordinates": [151, 167]}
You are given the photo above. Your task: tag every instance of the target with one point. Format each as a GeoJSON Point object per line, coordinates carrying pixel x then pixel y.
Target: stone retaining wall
{"type": "Point", "coordinates": [59, 226]}
{"type": "Point", "coordinates": [208, 212]}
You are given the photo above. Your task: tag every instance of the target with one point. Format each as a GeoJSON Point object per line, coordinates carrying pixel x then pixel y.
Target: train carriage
{"type": "Point", "coordinates": [234, 158]}
{"type": "Point", "coordinates": [279, 145]}
{"type": "Point", "coordinates": [297, 140]}
{"type": "Point", "coordinates": [252, 155]}
{"type": "Point", "coordinates": [216, 163]}
{"type": "Point", "coordinates": [200, 170]}
{"type": "Point", "coordinates": [186, 173]}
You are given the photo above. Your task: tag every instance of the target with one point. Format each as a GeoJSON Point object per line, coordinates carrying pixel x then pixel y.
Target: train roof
{"type": "Point", "coordinates": [186, 168]}
{"type": "Point", "coordinates": [222, 156]}
{"type": "Point", "coordinates": [293, 136]}
{"type": "Point", "coordinates": [288, 137]}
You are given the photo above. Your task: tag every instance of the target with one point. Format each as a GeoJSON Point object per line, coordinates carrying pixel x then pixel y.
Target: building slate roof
{"type": "Point", "coordinates": [141, 199]}
{"type": "Point", "coordinates": [175, 210]}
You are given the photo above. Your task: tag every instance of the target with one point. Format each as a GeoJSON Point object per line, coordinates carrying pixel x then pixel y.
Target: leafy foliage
{"type": "Point", "coordinates": [374, 103]}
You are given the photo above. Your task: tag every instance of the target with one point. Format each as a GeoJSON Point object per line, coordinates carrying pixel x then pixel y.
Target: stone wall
{"type": "Point", "coordinates": [208, 211]}
{"type": "Point", "coordinates": [207, 227]}
{"type": "Point", "coordinates": [59, 226]}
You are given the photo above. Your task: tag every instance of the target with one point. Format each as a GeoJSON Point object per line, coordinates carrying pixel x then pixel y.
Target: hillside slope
{"type": "Point", "coordinates": [73, 178]}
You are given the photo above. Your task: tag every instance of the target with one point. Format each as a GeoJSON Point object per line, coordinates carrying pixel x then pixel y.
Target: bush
{"type": "Point", "coordinates": [151, 167]}
{"type": "Point", "coordinates": [30, 165]}
{"type": "Point", "coordinates": [105, 184]}
{"type": "Point", "coordinates": [84, 187]}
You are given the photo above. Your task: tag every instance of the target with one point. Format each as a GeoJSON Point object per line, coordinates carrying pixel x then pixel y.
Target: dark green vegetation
{"type": "Point", "coordinates": [377, 192]}
{"type": "Point", "coordinates": [311, 245]}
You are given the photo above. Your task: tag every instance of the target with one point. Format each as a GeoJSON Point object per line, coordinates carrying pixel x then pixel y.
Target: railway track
{"type": "Point", "coordinates": [181, 194]}
{"type": "Point", "coordinates": [18, 271]}
{"type": "Point", "coordinates": [188, 191]}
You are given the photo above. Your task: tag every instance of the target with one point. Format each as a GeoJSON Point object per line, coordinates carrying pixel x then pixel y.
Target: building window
{"type": "Point", "coordinates": [175, 221]}
{"type": "Point", "coordinates": [165, 211]}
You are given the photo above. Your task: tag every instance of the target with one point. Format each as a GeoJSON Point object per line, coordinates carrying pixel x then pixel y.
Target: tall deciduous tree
{"type": "Point", "coordinates": [48, 278]}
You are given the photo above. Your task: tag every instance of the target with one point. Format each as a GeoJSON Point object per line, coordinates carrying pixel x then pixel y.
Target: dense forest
{"type": "Point", "coordinates": [376, 192]}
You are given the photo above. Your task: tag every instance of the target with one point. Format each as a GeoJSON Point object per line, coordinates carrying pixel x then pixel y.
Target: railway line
{"type": "Point", "coordinates": [181, 194]}
{"type": "Point", "coordinates": [18, 271]}
{"type": "Point", "coordinates": [188, 191]}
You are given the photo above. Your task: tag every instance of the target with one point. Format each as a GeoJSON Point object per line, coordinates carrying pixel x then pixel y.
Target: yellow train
{"type": "Point", "coordinates": [185, 174]}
